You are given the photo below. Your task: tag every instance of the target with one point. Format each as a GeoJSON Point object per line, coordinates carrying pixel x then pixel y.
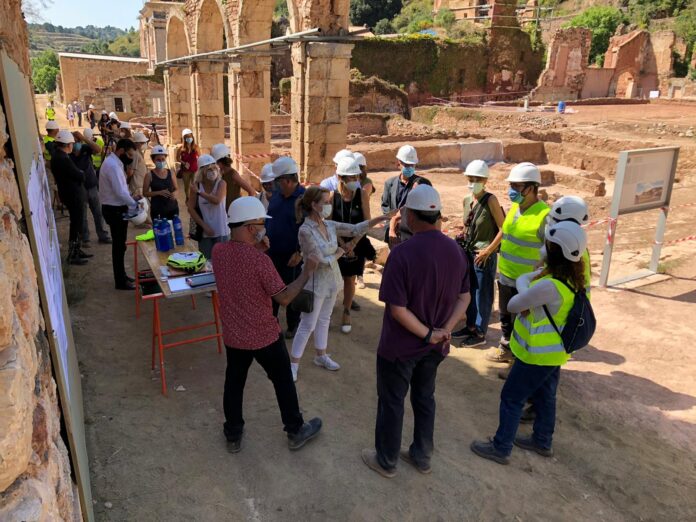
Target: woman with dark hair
{"type": "Point", "coordinates": [160, 186]}
{"type": "Point", "coordinates": [546, 294]}
{"type": "Point", "coordinates": [319, 236]}
{"type": "Point", "coordinates": [187, 156]}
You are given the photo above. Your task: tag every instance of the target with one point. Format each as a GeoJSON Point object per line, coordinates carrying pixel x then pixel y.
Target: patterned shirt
{"type": "Point", "coordinates": [246, 282]}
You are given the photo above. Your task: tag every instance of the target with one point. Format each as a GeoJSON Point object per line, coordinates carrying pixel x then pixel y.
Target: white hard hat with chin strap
{"type": "Point", "coordinates": [407, 154]}
{"type": "Point", "coordinates": [570, 237]}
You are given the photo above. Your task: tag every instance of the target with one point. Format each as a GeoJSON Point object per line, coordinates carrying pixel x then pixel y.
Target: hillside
{"type": "Point", "coordinates": [80, 39]}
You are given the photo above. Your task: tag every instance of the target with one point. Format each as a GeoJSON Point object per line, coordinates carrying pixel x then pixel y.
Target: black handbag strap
{"type": "Point", "coordinates": [553, 323]}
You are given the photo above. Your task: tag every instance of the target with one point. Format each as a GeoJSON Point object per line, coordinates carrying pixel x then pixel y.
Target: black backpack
{"type": "Point", "coordinates": [580, 325]}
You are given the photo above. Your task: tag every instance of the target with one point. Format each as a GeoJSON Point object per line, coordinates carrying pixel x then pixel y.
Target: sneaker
{"type": "Point", "coordinates": [487, 450]}
{"type": "Point", "coordinates": [529, 444]}
{"type": "Point", "coordinates": [294, 368]}
{"type": "Point", "coordinates": [307, 432]}
{"type": "Point", "coordinates": [361, 283]}
{"type": "Point", "coordinates": [346, 326]}
{"type": "Point", "coordinates": [474, 339]}
{"type": "Point", "coordinates": [462, 334]}
{"type": "Point", "coordinates": [325, 361]}
{"type": "Point", "coordinates": [423, 468]}
{"type": "Point", "coordinates": [369, 457]}
{"type": "Point", "coordinates": [500, 355]}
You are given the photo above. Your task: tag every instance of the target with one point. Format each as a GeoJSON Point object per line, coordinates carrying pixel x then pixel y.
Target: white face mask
{"type": "Point", "coordinates": [260, 235]}
{"type": "Point", "coordinates": [475, 188]}
{"type": "Point", "coordinates": [211, 175]}
{"type": "Point", "coordinates": [353, 185]}
{"type": "Point", "coordinates": [326, 211]}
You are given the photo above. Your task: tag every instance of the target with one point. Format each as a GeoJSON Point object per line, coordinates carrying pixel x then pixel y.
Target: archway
{"type": "Point", "coordinates": [177, 82]}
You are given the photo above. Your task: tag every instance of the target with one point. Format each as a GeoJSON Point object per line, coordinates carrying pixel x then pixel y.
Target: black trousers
{"type": "Point", "coordinates": [288, 274]}
{"type": "Point", "coordinates": [275, 361]}
{"type": "Point", "coordinates": [507, 320]}
{"type": "Point", "coordinates": [119, 232]}
{"type": "Point", "coordinates": [393, 381]}
{"type": "Point", "coordinates": [76, 211]}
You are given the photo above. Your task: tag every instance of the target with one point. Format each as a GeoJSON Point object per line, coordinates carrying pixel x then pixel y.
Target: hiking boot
{"type": "Point", "coordinates": [325, 361]}
{"type": "Point", "coordinates": [369, 457]}
{"type": "Point", "coordinates": [422, 468]}
{"type": "Point", "coordinates": [487, 450]}
{"type": "Point", "coordinates": [528, 415]}
{"type": "Point", "coordinates": [529, 444]}
{"type": "Point", "coordinates": [307, 432]}
{"type": "Point", "coordinates": [500, 355]}
{"type": "Point", "coordinates": [474, 339]}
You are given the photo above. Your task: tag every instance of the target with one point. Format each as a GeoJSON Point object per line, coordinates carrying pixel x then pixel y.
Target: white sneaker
{"type": "Point", "coordinates": [346, 328]}
{"type": "Point", "coordinates": [294, 367]}
{"type": "Point", "coordinates": [361, 282]}
{"type": "Point", "coordinates": [325, 361]}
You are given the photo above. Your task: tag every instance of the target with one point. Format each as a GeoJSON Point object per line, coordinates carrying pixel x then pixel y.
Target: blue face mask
{"type": "Point", "coordinates": [408, 171]}
{"type": "Point", "coordinates": [160, 165]}
{"type": "Point", "coordinates": [189, 140]}
{"type": "Point", "coordinates": [515, 195]}
{"type": "Point", "coordinates": [77, 147]}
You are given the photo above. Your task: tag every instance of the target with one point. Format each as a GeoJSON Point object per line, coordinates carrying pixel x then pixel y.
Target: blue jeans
{"type": "Point", "coordinates": [528, 382]}
{"type": "Point", "coordinates": [482, 289]}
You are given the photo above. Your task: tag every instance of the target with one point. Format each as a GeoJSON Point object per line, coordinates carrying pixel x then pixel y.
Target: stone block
{"type": "Point", "coordinates": [253, 132]}
{"type": "Point", "coordinates": [255, 108]}
{"type": "Point", "coordinates": [518, 151]}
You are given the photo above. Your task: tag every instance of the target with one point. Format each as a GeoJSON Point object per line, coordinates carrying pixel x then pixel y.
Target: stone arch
{"type": "Point", "coordinates": [177, 81]}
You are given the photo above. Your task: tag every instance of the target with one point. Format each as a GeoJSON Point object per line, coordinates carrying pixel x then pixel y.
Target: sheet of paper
{"type": "Point", "coordinates": [178, 284]}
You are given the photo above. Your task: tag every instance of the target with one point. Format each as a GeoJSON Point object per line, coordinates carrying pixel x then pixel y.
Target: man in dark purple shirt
{"type": "Point", "coordinates": [425, 287]}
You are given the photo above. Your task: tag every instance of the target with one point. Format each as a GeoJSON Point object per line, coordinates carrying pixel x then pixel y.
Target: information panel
{"type": "Point", "coordinates": [644, 179]}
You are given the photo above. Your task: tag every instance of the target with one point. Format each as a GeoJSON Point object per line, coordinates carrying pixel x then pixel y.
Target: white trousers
{"type": "Point", "coordinates": [318, 322]}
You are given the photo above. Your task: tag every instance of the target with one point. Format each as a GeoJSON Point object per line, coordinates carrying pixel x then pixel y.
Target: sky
{"type": "Point", "coordinates": [71, 13]}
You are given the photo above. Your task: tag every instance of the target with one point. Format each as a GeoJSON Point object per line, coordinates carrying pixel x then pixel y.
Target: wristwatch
{"type": "Point", "coordinates": [426, 339]}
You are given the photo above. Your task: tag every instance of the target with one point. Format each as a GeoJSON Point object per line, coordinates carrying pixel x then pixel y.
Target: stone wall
{"type": "Point", "coordinates": [376, 95]}
{"type": "Point", "coordinates": [564, 75]}
{"type": "Point", "coordinates": [137, 93]}
{"type": "Point", "coordinates": [35, 481]}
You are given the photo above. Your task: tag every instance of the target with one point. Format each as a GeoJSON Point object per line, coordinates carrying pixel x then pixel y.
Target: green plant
{"type": "Point", "coordinates": [384, 26]}
{"type": "Point", "coordinates": [445, 18]}
{"type": "Point", "coordinates": [281, 10]}
{"type": "Point", "coordinates": [643, 11]}
{"type": "Point", "coordinates": [44, 69]}
{"type": "Point", "coordinates": [371, 12]}
{"type": "Point", "coordinates": [415, 16]}
{"type": "Point", "coordinates": [602, 21]}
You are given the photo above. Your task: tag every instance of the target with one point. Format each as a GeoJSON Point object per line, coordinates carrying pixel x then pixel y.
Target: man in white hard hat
{"type": "Point", "coordinates": [521, 239]}
{"type": "Point", "coordinates": [396, 191]}
{"type": "Point", "coordinates": [268, 184]}
{"type": "Point", "coordinates": [70, 181]}
{"type": "Point", "coordinates": [419, 315]}
{"type": "Point", "coordinates": [247, 284]}
{"type": "Point", "coordinates": [139, 166]}
{"type": "Point", "coordinates": [283, 231]}
{"type": "Point", "coordinates": [84, 149]}
{"type": "Point", "coordinates": [331, 183]}
{"type": "Point", "coordinates": [91, 116]}
{"type": "Point", "coordinates": [235, 182]}
{"type": "Point", "coordinates": [49, 139]}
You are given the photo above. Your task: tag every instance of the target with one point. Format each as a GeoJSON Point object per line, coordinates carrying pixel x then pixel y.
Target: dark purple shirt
{"type": "Point", "coordinates": [426, 274]}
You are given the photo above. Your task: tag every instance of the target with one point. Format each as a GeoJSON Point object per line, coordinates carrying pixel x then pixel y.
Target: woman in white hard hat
{"type": "Point", "coordinates": [160, 186]}
{"type": "Point", "coordinates": [268, 184]}
{"type": "Point", "coordinates": [70, 115]}
{"type": "Point", "coordinates": [206, 204]}
{"type": "Point", "coordinates": [483, 218]}
{"type": "Point", "coordinates": [573, 208]}
{"type": "Point", "coordinates": [125, 130]}
{"type": "Point", "coordinates": [538, 348]}
{"type": "Point", "coordinates": [331, 183]}
{"type": "Point", "coordinates": [135, 183]}
{"type": "Point", "coordinates": [367, 186]}
{"type": "Point", "coordinates": [351, 204]}
{"type": "Point", "coordinates": [318, 236]}
{"type": "Point", "coordinates": [187, 156]}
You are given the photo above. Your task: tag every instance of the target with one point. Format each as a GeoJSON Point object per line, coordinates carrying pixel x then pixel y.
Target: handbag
{"type": "Point", "coordinates": [304, 301]}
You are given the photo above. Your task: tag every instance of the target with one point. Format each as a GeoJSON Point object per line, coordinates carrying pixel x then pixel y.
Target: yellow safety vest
{"type": "Point", "coordinates": [47, 140]}
{"type": "Point", "coordinates": [588, 271]}
{"type": "Point", "coordinates": [534, 340]}
{"type": "Point", "coordinates": [519, 250]}
{"type": "Point", "coordinates": [50, 113]}
{"type": "Point", "coordinates": [97, 158]}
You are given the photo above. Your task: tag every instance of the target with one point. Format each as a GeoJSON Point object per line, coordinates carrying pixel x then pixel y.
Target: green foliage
{"type": "Point", "coordinates": [371, 12]}
{"type": "Point", "coordinates": [384, 26]}
{"type": "Point", "coordinates": [281, 10]}
{"type": "Point", "coordinates": [445, 18]}
{"type": "Point", "coordinates": [643, 11]}
{"type": "Point", "coordinates": [126, 45]}
{"type": "Point", "coordinates": [602, 21]}
{"type": "Point", "coordinates": [97, 33]}
{"type": "Point", "coordinates": [534, 31]}
{"type": "Point", "coordinates": [685, 25]}
{"type": "Point", "coordinates": [44, 69]}
{"type": "Point", "coordinates": [415, 16]}
{"type": "Point", "coordinates": [285, 86]}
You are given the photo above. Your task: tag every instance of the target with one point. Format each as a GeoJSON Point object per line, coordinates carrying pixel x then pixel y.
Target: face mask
{"type": "Point", "coordinates": [77, 147]}
{"type": "Point", "coordinates": [515, 196]}
{"type": "Point", "coordinates": [211, 175]}
{"type": "Point", "coordinates": [125, 160]}
{"type": "Point", "coordinates": [189, 140]}
{"type": "Point", "coordinates": [260, 234]}
{"type": "Point", "coordinates": [408, 171]}
{"type": "Point", "coordinates": [326, 211]}
{"type": "Point", "coordinates": [353, 185]}
{"type": "Point", "coordinates": [475, 188]}
{"type": "Point", "coordinates": [160, 165]}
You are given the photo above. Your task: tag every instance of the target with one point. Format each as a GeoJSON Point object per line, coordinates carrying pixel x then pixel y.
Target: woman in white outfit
{"type": "Point", "coordinates": [208, 193]}
{"type": "Point", "coordinates": [319, 236]}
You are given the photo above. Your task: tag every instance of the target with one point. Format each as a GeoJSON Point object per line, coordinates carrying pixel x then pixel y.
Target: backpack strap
{"type": "Point", "coordinates": [553, 323]}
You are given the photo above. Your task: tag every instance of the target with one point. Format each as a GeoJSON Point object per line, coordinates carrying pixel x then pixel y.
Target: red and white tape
{"type": "Point", "coordinates": [680, 240]}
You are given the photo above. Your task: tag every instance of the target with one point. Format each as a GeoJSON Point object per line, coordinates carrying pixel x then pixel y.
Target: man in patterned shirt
{"type": "Point", "coordinates": [247, 284]}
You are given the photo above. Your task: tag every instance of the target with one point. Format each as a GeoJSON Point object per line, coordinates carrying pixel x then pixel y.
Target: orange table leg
{"type": "Point", "coordinates": [155, 310]}
{"type": "Point", "coordinates": [216, 313]}
{"type": "Point", "coordinates": [160, 344]}
{"type": "Point", "coordinates": [193, 302]}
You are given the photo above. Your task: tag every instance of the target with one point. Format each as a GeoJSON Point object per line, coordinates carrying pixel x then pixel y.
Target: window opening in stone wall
{"type": "Point", "coordinates": [118, 104]}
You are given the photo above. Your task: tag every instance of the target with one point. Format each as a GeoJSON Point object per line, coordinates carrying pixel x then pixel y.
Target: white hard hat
{"type": "Point", "coordinates": [219, 151]}
{"type": "Point", "coordinates": [348, 167]}
{"type": "Point", "coordinates": [91, 106]}
{"type": "Point", "coordinates": [342, 154]}
{"type": "Point", "coordinates": [285, 166]}
{"type": "Point", "coordinates": [185, 132]}
{"type": "Point", "coordinates": [158, 150]}
{"type": "Point", "coordinates": [143, 211]}
{"type": "Point", "coordinates": [570, 207]}
{"type": "Point", "coordinates": [104, 112]}
{"type": "Point", "coordinates": [65, 136]}
{"type": "Point", "coordinates": [139, 137]}
{"type": "Point", "coordinates": [570, 237]}
{"type": "Point", "coordinates": [247, 208]}
{"type": "Point", "coordinates": [267, 173]}
{"type": "Point", "coordinates": [113, 116]}
{"type": "Point", "coordinates": [204, 160]}
{"type": "Point", "coordinates": [524, 173]}
{"type": "Point", "coordinates": [407, 154]}
{"type": "Point", "coordinates": [424, 198]}
{"type": "Point", "coordinates": [360, 158]}
{"type": "Point", "coordinates": [477, 168]}
{"type": "Point", "coordinates": [88, 133]}
{"type": "Point", "coordinates": [52, 125]}
{"type": "Point", "coordinates": [125, 125]}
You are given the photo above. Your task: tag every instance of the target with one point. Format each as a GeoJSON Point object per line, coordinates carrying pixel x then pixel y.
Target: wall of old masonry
{"type": "Point", "coordinates": [35, 482]}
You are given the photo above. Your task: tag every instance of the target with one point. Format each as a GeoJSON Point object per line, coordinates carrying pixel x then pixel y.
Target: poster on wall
{"type": "Point", "coordinates": [644, 179]}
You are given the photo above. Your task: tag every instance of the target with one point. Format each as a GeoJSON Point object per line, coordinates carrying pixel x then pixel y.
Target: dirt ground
{"type": "Point", "coordinates": [625, 436]}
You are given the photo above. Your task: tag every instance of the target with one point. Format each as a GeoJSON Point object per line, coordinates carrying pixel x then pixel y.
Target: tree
{"type": "Point", "coordinates": [642, 11]}
{"type": "Point", "coordinates": [126, 45]}
{"type": "Point", "coordinates": [445, 18]}
{"type": "Point", "coordinates": [44, 69]}
{"type": "Point", "coordinates": [281, 9]}
{"type": "Point", "coordinates": [370, 12]}
{"type": "Point", "coordinates": [384, 26]}
{"type": "Point", "coordinates": [415, 16]}
{"type": "Point", "coordinates": [602, 21]}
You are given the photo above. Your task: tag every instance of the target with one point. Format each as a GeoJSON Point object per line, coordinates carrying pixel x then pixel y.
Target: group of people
{"type": "Point", "coordinates": [74, 112]}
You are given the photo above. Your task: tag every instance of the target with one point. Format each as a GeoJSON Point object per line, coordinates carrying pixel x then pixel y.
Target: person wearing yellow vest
{"type": "Point", "coordinates": [49, 139]}
{"type": "Point", "coordinates": [572, 208]}
{"type": "Point", "coordinates": [520, 240]}
{"type": "Point", "coordinates": [50, 112]}
{"type": "Point", "coordinates": [537, 346]}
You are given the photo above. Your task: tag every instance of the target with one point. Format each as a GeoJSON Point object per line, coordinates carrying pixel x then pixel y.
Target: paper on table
{"type": "Point", "coordinates": [178, 284]}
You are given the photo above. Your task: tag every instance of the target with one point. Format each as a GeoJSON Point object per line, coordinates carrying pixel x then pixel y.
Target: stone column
{"type": "Point", "coordinates": [207, 103]}
{"type": "Point", "coordinates": [320, 95]}
{"type": "Point", "coordinates": [250, 109]}
{"type": "Point", "coordinates": [177, 94]}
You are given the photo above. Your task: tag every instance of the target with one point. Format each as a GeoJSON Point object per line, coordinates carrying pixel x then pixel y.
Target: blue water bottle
{"type": "Point", "coordinates": [167, 242]}
{"type": "Point", "coordinates": [159, 243]}
{"type": "Point", "coordinates": [178, 230]}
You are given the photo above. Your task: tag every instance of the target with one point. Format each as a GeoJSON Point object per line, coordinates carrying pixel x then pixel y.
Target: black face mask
{"type": "Point", "coordinates": [125, 160]}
